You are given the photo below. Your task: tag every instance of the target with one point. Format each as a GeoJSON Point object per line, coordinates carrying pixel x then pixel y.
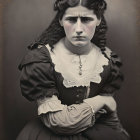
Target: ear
{"type": "Point", "coordinates": [61, 23]}
{"type": "Point", "coordinates": [98, 22]}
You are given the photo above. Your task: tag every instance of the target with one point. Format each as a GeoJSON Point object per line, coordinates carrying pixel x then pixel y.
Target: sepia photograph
{"type": "Point", "coordinates": [69, 70]}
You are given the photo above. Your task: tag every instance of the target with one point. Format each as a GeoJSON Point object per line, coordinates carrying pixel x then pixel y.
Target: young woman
{"type": "Point", "coordinates": [72, 76]}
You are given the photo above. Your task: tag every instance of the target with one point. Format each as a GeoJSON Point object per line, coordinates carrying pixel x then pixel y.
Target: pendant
{"type": "Point", "coordinates": [80, 73]}
{"type": "Point", "coordinates": [80, 66]}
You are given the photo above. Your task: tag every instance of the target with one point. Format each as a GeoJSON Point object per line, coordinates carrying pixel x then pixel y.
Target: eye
{"type": "Point", "coordinates": [86, 19]}
{"type": "Point", "coordinates": [71, 19]}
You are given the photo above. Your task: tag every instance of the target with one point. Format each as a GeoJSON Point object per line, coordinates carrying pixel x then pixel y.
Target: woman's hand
{"type": "Point", "coordinates": [99, 102]}
{"type": "Point", "coordinates": [110, 103]}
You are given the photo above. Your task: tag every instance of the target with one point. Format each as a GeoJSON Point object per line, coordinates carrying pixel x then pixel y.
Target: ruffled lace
{"type": "Point", "coordinates": [67, 64]}
{"type": "Point", "coordinates": [49, 104]}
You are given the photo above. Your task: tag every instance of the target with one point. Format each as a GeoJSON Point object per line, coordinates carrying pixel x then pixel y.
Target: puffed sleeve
{"type": "Point", "coordinates": [115, 78]}
{"type": "Point", "coordinates": [37, 78]}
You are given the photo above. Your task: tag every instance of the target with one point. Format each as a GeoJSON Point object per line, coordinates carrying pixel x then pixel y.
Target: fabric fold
{"type": "Point", "coordinates": [49, 104]}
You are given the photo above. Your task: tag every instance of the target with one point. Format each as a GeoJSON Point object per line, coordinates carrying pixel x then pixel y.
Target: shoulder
{"type": "Point", "coordinates": [113, 57]}
{"type": "Point", "coordinates": [115, 64]}
{"type": "Point", "coordinates": [37, 77]}
{"type": "Point", "coordinates": [39, 54]}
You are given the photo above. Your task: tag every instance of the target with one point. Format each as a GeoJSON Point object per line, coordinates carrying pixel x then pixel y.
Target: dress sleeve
{"type": "Point", "coordinates": [115, 78]}
{"type": "Point", "coordinates": [37, 79]}
{"type": "Point", "coordinates": [63, 119]}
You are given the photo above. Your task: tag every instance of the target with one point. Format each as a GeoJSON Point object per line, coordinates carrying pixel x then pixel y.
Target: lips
{"type": "Point", "coordinates": [79, 37]}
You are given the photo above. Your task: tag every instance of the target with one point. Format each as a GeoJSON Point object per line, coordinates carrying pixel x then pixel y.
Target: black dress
{"type": "Point", "coordinates": [39, 79]}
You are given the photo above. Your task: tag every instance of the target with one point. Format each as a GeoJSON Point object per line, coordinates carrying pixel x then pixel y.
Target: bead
{"type": "Point", "coordinates": [77, 95]}
{"type": "Point", "coordinates": [80, 73]}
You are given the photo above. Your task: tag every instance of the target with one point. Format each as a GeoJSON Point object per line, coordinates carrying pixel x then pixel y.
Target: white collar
{"type": "Point", "coordinates": [67, 64]}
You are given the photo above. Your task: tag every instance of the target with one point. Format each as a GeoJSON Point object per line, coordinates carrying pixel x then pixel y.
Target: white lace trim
{"type": "Point", "coordinates": [49, 104]}
{"type": "Point", "coordinates": [67, 64]}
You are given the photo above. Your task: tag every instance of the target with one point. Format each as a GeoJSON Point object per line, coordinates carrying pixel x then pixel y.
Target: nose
{"type": "Point", "coordinates": [79, 28]}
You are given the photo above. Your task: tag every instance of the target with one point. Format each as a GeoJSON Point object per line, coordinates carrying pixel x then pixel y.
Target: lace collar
{"type": "Point", "coordinates": [67, 64]}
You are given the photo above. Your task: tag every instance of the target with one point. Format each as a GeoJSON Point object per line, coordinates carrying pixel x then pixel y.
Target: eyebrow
{"type": "Point", "coordinates": [83, 19]}
{"type": "Point", "coordinates": [79, 16]}
{"type": "Point", "coordinates": [75, 17]}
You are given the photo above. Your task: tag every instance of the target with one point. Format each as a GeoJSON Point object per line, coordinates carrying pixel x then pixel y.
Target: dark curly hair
{"type": "Point", "coordinates": [55, 31]}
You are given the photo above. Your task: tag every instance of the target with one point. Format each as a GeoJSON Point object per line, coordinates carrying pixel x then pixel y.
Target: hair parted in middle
{"type": "Point", "coordinates": [55, 31]}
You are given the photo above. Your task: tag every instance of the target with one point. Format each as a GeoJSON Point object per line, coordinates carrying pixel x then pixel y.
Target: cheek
{"type": "Point", "coordinates": [91, 30]}
{"type": "Point", "coordinates": [67, 28]}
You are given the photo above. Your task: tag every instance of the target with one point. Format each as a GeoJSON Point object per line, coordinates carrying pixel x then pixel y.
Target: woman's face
{"type": "Point", "coordinates": [79, 24]}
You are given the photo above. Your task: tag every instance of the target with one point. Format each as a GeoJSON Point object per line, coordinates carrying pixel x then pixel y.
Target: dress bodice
{"type": "Point", "coordinates": [39, 78]}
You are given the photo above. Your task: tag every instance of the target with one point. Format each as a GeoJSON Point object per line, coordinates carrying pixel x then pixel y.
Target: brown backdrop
{"type": "Point", "coordinates": [23, 20]}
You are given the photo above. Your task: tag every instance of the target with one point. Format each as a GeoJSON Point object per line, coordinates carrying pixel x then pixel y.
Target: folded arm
{"type": "Point", "coordinates": [71, 119]}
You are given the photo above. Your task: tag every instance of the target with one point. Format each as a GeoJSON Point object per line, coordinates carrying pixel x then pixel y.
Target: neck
{"type": "Point", "coordinates": [77, 49]}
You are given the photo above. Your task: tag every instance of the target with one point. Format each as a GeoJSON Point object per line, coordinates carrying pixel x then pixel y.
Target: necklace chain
{"type": "Point", "coordinates": [80, 66]}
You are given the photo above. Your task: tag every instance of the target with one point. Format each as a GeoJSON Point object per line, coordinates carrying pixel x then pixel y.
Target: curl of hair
{"type": "Point", "coordinates": [99, 6]}
{"type": "Point", "coordinates": [99, 37]}
{"type": "Point", "coordinates": [52, 34]}
{"type": "Point", "coordinates": [61, 5]}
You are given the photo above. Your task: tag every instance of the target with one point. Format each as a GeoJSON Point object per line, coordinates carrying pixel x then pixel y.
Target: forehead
{"type": "Point", "coordinates": [79, 11]}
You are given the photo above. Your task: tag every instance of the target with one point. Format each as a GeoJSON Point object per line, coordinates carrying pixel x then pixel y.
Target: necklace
{"type": "Point", "coordinates": [80, 66]}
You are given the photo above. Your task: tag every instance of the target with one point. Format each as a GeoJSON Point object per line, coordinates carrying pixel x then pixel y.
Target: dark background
{"type": "Point", "coordinates": [23, 20]}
